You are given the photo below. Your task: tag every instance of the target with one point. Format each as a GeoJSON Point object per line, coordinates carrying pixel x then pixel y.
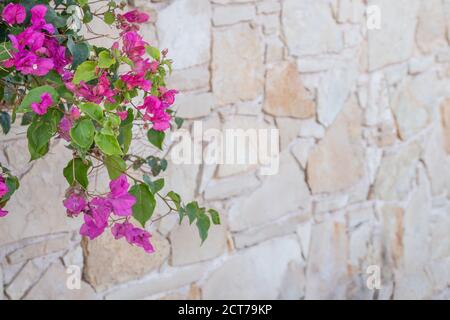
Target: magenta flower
{"type": "Point", "coordinates": [75, 204]}
{"type": "Point", "coordinates": [64, 127]}
{"type": "Point", "coordinates": [155, 112]}
{"type": "Point", "coordinates": [14, 13]}
{"type": "Point", "coordinates": [3, 187]}
{"type": "Point", "coordinates": [138, 80]}
{"type": "Point", "coordinates": [136, 16]}
{"type": "Point", "coordinates": [120, 200]}
{"type": "Point", "coordinates": [133, 45]}
{"type": "Point", "coordinates": [168, 97]}
{"type": "Point", "coordinates": [75, 113]}
{"type": "Point", "coordinates": [123, 115]}
{"type": "Point", "coordinates": [96, 93]}
{"type": "Point", "coordinates": [41, 108]}
{"type": "Point", "coordinates": [96, 219]}
{"type": "Point", "coordinates": [134, 236]}
{"type": "Point", "coordinates": [3, 213]}
{"type": "Point", "coordinates": [38, 19]}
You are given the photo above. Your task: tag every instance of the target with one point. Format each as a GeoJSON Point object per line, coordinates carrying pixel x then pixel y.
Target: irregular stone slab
{"type": "Point", "coordinates": [326, 275]}
{"type": "Point", "coordinates": [190, 79]}
{"type": "Point", "coordinates": [259, 208]}
{"type": "Point", "coordinates": [39, 249]}
{"type": "Point", "coordinates": [173, 279]}
{"type": "Point", "coordinates": [53, 286]}
{"type": "Point", "coordinates": [125, 262]}
{"type": "Point", "coordinates": [309, 27]}
{"type": "Point", "coordinates": [445, 114]}
{"type": "Point", "coordinates": [237, 66]}
{"type": "Point", "coordinates": [431, 27]}
{"type": "Point", "coordinates": [28, 276]}
{"type": "Point", "coordinates": [285, 94]}
{"type": "Point", "coordinates": [189, 40]}
{"type": "Point", "coordinates": [337, 162]}
{"type": "Point", "coordinates": [396, 173]}
{"type": "Point", "coordinates": [237, 279]}
{"type": "Point", "coordinates": [187, 247]}
{"type": "Point", "coordinates": [36, 208]}
{"type": "Point", "coordinates": [230, 187]}
{"type": "Point", "coordinates": [394, 42]}
{"type": "Point", "coordinates": [410, 114]}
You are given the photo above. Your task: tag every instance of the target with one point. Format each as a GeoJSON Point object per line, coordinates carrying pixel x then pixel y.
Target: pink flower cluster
{"type": "Point", "coordinates": [41, 107]}
{"type": "Point", "coordinates": [98, 211]}
{"type": "Point", "coordinates": [92, 93]}
{"type": "Point", "coordinates": [67, 122]}
{"type": "Point", "coordinates": [155, 109]}
{"type": "Point", "coordinates": [3, 190]}
{"type": "Point", "coordinates": [36, 50]}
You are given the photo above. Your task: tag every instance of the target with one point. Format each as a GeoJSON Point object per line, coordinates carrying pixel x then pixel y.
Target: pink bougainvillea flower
{"type": "Point", "coordinates": [75, 204]}
{"type": "Point", "coordinates": [29, 63]}
{"type": "Point", "coordinates": [138, 80]}
{"type": "Point", "coordinates": [64, 127]}
{"type": "Point", "coordinates": [3, 187]}
{"type": "Point", "coordinates": [136, 16]}
{"type": "Point", "coordinates": [155, 113]}
{"type": "Point", "coordinates": [41, 108]}
{"type": "Point", "coordinates": [96, 219]}
{"type": "Point", "coordinates": [123, 115]}
{"type": "Point", "coordinates": [29, 38]}
{"type": "Point", "coordinates": [95, 93]}
{"type": "Point", "coordinates": [134, 236]}
{"type": "Point", "coordinates": [133, 45]}
{"type": "Point", "coordinates": [38, 13]}
{"type": "Point", "coordinates": [3, 213]}
{"type": "Point", "coordinates": [75, 113]}
{"type": "Point", "coordinates": [168, 96]}
{"type": "Point", "coordinates": [14, 13]}
{"type": "Point", "coordinates": [57, 54]}
{"type": "Point", "coordinates": [120, 200]}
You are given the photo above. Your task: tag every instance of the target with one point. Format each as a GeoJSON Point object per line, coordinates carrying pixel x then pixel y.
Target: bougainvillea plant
{"type": "Point", "coordinates": [62, 87]}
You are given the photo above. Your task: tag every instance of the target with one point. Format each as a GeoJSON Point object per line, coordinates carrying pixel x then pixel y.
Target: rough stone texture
{"type": "Point", "coordinates": [364, 179]}
{"type": "Point", "coordinates": [337, 161]}
{"type": "Point", "coordinates": [124, 262]}
{"type": "Point", "coordinates": [237, 64]}
{"type": "Point", "coordinates": [242, 282]}
{"type": "Point", "coordinates": [285, 94]}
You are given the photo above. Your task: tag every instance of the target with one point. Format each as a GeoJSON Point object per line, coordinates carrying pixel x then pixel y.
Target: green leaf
{"type": "Point", "coordinates": [5, 122]}
{"type": "Point", "coordinates": [13, 184]}
{"type": "Point", "coordinates": [215, 217]}
{"type": "Point", "coordinates": [108, 144]}
{"type": "Point", "coordinates": [179, 122]}
{"type": "Point", "coordinates": [83, 133]}
{"type": "Point", "coordinates": [5, 51]}
{"type": "Point", "coordinates": [93, 110]}
{"type": "Point", "coordinates": [55, 19]}
{"type": "Point", "coordinates": [203, 225]}
{"type": "Point", "coordinates": [110, 18]}
{"type": "Point", "coordinates": [76, 172]}
{"type": "Point", "coordinates": [145, 203]}
{"type": "Point", "coordinates": [80, 52]}
{"type": "Point", "coordinates": [155, 186]}
{"type": "Point", "coordinates": [192, 210]}
{"type": "Point", "coordinates": [176, 199]}
{"type": "Point", "coordinates": [105, 60]}
{"type": "Point", "coordinates": [115, 166]}
{"type": "Point", "coordinates": [126, 132]}
{"type": "Point", "coordinates": [82, 3]}
{"type": "Point", "coordinates": [156, 138]}
{"type": "Point", "coordinates": [85, 72]}
{"type": "Point", "coordinates": [34, 95]}
{"type": "Point", "coordinates": [154, 53]}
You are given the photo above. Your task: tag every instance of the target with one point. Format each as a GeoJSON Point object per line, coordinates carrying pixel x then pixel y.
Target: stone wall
{"type": "Point", "coordinates": [364, 180]}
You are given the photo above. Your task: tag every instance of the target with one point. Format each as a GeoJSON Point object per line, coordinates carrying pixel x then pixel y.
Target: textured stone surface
{"type": "Point", "coordinates": [237, 64]}
{"type": "Point", "coordinates": [124, 262]}
{"type": "Point", "coordinates": [394, 42]}
{"type": "Point", "coordinates": [337, 161]}
{"type": "Point", "coordinates": [186, 35]}
{"type": "Point", "coordinates": [52, 286]}
{"type": "Point", "coordinates": [237, 279]}
{"type": "Point", "coordinates": [364, 121]}
{"type": "Point", "coordinates": [285, 94]}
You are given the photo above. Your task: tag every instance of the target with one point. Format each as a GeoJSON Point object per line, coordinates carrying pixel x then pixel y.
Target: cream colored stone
{"type": "Point", "coordinates": [336, 163]}
{"type": "Point", "coordinates": [264, 284]}
{"type": "Point", "coordinates": [27, 277]}
{"type": "Point", "coordinates": [394, 42]}
{"type": "Point", "coordinates": [189, 40]}
{"type": "Point", "coordinates": [327, 263]}
{"type": "Point", "coordinates": [53, 286]}
{"type": "Point", "coordinates": [39, 249]}
{"type": "Point", "coordinates": [230, 187]}
{"type": "Point", "coordinates": [301, 150]}
{"type": "Point", "coordinates": [190, 79]}
{"type": "Point", "coordinates": [271, 200]}
{"type": "Point", "coordinates": [396, 173]}
{"type": "Point", "coordinates": [237, 65]}
{"type": "Point", "coordinates": [285, 94]}
{"type": "Point", "coordinates": [431, 27]}
{"type": "Point", "coordinates": [195, 105]}
{"type": "Point", "coordinates": [187, 247]}
{"type": "Point", "coordinates": [445, 115]}
{"type": "Point", "coordinates": [125, 262]}
{"type": "Point", "coordinates": [226, 15]}
{"type": "Point", "coordinates": [309, 27]}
